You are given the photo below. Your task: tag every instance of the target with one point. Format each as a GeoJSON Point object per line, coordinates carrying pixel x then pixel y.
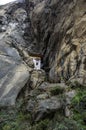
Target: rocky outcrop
{"type": "Point", "coordinates": [53, 31]}
{"type": "Point", "coordinates": [37, 78]}
{"type": "Point", "coordinates": [43, 107]}
{"type": "Point", "coordinates": [14, 73]}
{"type": "Point", "coordinates": [60, 35]}
{"type": "Point", "coordinates": [47, 99]}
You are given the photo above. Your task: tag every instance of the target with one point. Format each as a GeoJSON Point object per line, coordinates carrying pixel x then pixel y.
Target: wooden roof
{"type": "Point", "coordinates": [35, 55]}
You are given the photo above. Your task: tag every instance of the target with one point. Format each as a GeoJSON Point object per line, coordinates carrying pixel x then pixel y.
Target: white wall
{"type": "Point", "coordinates": [37, 64]}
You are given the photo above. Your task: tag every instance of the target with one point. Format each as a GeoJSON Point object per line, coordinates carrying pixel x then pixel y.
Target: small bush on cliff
{"type": "Point", "coordinates": [79, 107]}
{"type": "Point", "coordinates": [56, 90]}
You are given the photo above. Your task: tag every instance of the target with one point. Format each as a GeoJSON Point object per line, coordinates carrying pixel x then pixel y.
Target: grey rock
{"type": "Point", "coordinates": [37, 78]}
{"type": "Point", "coordinates": [42, 96]}
{"type": "Point", "coordinates": [13, 75]}
{"type": "Point", "coordinates": [49, 104]}
{"type": "Point", "coordinates": [46, 86]}
{"type": "Point", "coordinates": [40, 108]}
{"type": "Point", "coordinates": [67, 112]}
{"type": "Point", "coordinates": [60, 36]}
{"type": "Point", "coordinates": [69, 96]}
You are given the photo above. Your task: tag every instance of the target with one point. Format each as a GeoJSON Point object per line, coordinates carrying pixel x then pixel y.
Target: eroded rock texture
{"type": "Point", "coordinates": [59, 29]}
{"type": "Point", "coordinates": [14, 73]}
{"type": "Point", "coordinates": [52, 28]}
{"type": "Point", "coordinates": [55, 31]}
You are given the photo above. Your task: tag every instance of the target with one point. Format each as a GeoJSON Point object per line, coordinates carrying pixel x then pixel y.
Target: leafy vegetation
{"type": "Point", "coordinates": [79, 107]}
{"type": "Point", "coordinates": [14, 120]}
{"type": "Point", "coordinates": [56, 90]}
{"type": "Point", "coordinates": [42, 125]}
{"type": "Point", "coordinates": [19, 119]}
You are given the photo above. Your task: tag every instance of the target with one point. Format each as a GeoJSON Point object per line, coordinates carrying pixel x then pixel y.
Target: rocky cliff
{"type": "Point", "coordinates": [60, 35]}
{"type": "Point", "coordinates": [54, 97]}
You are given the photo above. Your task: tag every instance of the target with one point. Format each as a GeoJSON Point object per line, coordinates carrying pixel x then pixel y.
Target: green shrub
{"type": "Point", "coordinates": [56, 90]}
{"type": "Point", "coordinates": [42, 125]}
{"type": "Point", "coordinates": [79, 108]}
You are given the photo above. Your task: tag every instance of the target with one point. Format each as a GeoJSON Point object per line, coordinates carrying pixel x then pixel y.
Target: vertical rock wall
{"type": "Point", "coordinates": [60, 35]}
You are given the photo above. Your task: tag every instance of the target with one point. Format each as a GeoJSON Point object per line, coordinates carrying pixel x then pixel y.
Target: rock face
{"type": "Point", "coordinates": [37, 78]}
{"type": "Point", "coordinates": [14, 72]}
{"type": "Point", "coordinates": [47, 99]}
{"type": "Point", "coordinates": [60, 35]}
{"type": "Point", "coordinates": [43, 107]}
{"type": "Point", "coordinates": [54, 31]}
{"type": "Point", "coordinates": [13, 76]}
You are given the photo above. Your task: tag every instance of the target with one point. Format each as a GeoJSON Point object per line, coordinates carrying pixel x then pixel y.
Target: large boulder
{"type": "Point", "coordinates": [42, 107]}
{"type": "Point", "coordinates": [13, 75]}
{"type": "Point", "coordinates": [14, 72]}
{"type": "Point", "coordinates": [48, 99]}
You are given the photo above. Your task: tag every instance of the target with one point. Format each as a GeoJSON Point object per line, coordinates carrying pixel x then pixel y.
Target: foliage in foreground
{"type": "Point", "coordinates": [19, 119]}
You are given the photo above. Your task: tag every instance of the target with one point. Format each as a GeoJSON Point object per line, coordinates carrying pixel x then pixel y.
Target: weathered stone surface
{"type": "Point", "coordinates": [40, 108]}
{"type": "Point", "coordinates": [13, 75]}
{"type": "Point", "coordinates": [43, 96]}
{"type": "Point", "coordinates": [59, 29]}
{"type": "Point", "coordinates": [55, 29]}
{"type": "Point", "coordinates": [47, 99]}
{"type": "Point", "coordinates": [37, 78]}
{"type": "Point", "coordinates": [46, 86]}
{"type": "Point", "coordinates": [68, 99]}
{"type": "Point", "coordinates": [69, 96]}
{"type": "Point", "coordinates": [79, 81]}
